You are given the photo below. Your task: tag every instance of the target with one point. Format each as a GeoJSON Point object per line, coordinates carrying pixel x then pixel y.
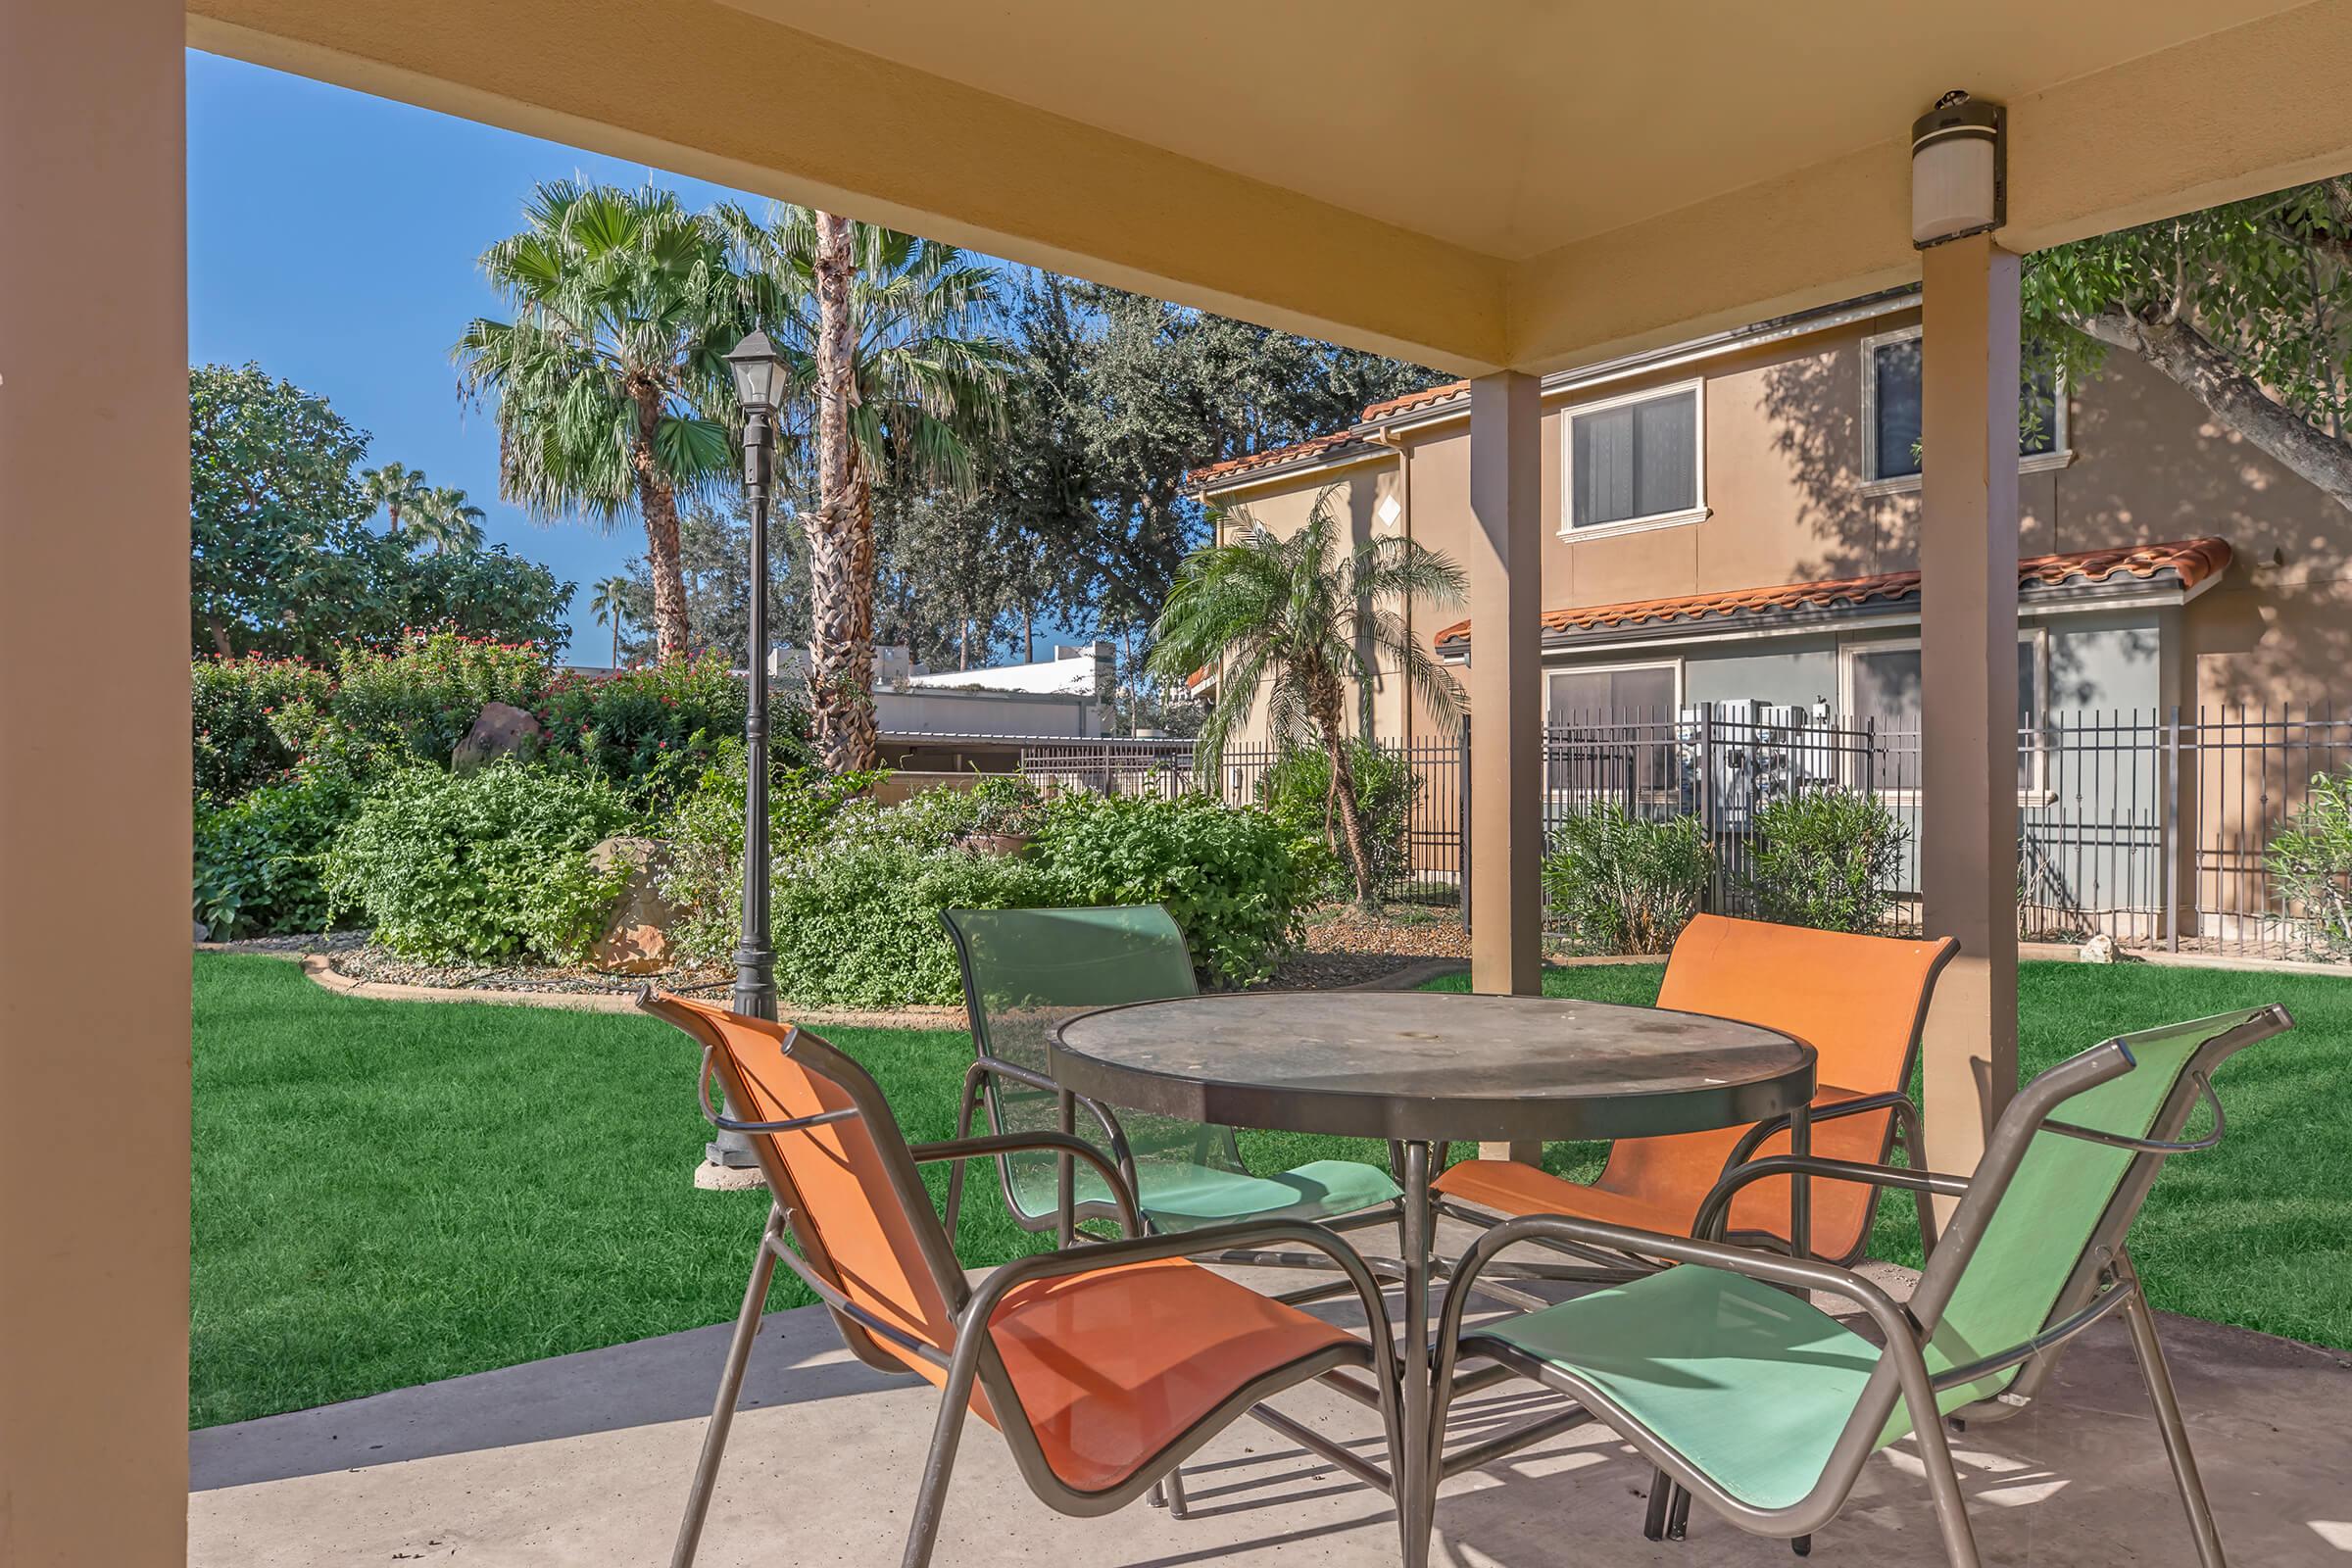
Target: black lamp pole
{"type": "Point", "coordinates": [759, 375]}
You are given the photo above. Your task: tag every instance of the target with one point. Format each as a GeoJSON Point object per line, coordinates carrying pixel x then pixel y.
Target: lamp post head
{"type": "Point", "coordinates": [759, 373]}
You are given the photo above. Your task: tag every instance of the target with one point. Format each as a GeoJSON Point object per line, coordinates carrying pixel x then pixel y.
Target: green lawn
{"type": "Point", "coordinates": [391, 1193]}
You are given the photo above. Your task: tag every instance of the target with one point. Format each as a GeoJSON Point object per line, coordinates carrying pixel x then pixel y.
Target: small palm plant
{"type": "Point", "coordinates": [1297, 621]}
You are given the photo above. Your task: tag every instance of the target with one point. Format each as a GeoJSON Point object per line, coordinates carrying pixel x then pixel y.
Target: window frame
{"type": "Point", "coordinates": [1613, 667]}
{"type": "Point", "coordinates": [2061, 452]}
{"type": "Point", "coordinates": [1695, 388]}
{"type": "Point", "coordinates": [2035, 791]}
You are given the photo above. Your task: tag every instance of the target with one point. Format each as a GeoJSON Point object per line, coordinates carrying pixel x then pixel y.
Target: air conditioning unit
{"type": "Point", "coordinates": [1743, 753]}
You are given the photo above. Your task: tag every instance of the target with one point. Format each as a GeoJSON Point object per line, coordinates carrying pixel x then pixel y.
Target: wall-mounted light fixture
{"type": "Point", "coordinates": [1959, 169]}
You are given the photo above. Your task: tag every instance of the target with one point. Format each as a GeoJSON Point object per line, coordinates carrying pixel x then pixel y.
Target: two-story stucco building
{"type": "Point", "coordinates": [1737, 517]}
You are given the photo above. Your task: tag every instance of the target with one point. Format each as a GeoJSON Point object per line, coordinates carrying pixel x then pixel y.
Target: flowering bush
{"type": "Point", "coordinates": [487, 864]}
{"type": "Point", "coordinates": [415, 702]}
{"type": "Point", "coordinates": [661, 729]}
{"type": "Point", "coordinates": [234, 704]}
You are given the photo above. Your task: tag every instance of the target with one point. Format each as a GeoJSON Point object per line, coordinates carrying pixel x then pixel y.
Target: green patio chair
{"type": "Point", "coordinates": [1745, 1396]}
{"type": "Point", "coordinates": [1024, 971]}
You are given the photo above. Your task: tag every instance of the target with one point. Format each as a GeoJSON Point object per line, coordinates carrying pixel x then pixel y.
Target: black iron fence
{"type": "Point", "coordinates": [2149, 826]}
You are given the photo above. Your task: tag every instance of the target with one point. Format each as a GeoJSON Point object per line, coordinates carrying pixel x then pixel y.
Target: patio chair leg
{"type": "Point", "coordinates": [1678, 1513]}
{"type": "Point", "coordinates": [1943, 1487]}
{"type": "Point", "coordinates": [963, 1129]}
{"type": "Point", "coordinates": [730, 1387]}
{"type": "Point", "coordinates": [2158, 1377]}
{"type": "Point", "coordinates": [1173, 1483]}
{"type": "Point", "coordinates": [1653, 1525]}
{"type": "Point", "coordinates": [955, 1400]}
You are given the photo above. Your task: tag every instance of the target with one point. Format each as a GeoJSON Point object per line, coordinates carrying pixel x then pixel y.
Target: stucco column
{"type": "Point", "coordinates": [1503, 563]}
{"type": "Point", "coordinates": [1967, 658]}
{"type": "Point", "coordinates": [94, 785]}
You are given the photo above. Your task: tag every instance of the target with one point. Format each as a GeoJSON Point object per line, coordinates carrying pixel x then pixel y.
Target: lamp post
{"type": "Point", "coordinates": [760, 384]}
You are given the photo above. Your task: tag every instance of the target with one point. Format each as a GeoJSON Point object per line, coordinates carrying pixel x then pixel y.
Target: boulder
{"type": "Point", "coordinates": [500, 729]}
{"type": "Point", "coordinates": [636, 935]}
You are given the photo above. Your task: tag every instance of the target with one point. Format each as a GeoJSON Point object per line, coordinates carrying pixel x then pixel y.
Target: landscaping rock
{"type": "Point", "coordinates": [636, 935]}
{"type": "Point", "coordinates": [500, 729]}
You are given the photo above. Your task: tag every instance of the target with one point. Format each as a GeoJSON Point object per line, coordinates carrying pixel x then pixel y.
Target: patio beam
{"type": "Point", "coordinates": [94, 764]}
{"type": "Point", "coordinates": [1503, 563]}
{"type": "Point", "coordinates": [1968, 687]}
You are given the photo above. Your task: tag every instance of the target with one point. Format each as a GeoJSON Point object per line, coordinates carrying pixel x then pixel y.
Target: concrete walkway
{"type": "Point", "coordinates": [584, 1459]}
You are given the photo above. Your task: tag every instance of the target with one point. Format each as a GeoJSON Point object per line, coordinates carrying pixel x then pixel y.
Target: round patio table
{"type": "Point", "coordinates": [1424, 1069]}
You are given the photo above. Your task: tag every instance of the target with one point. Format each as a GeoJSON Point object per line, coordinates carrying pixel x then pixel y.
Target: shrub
{"type": "Point", "coordinates": [234, 704]}
{"type": "Point", "coordinates": [1825, 860]}
{"type": "Point", "coordinates": [487, 864]}
{"type": "Point", "coordinates": [1622, 884]}
{"type": "Point", "coordinates": [258, 858]}
{"type": "Point", "coordinates": [1234, 878]}
{"type": "Point", "coordinates": [2311, 864]}
{"type": "Point", "coordinates": [855, 921]}
{"type": "Point", "coordinates": [658, 729]}
{"type": "Point", "coordinates": [413, 703]}
{"type": "Point", "coordinates": [1297, 790]}
{"type": "Point", "coordinates": [704, 833]}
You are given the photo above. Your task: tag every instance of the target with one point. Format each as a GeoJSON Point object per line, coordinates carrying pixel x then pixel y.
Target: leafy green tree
{"type": "Point", "coordinates": [899, 372]}
{"type": "Point", "coordinates": [2247, 305]}
{"type": "Point", "coordinates": [489, 593]}
{"type": "Point", "coordinates": [280, 540]}
{"type": "Point", "coordinates": [447, 522]}
{"type": "Point", "coordinates": [1299, 621]}
{"type": "Point", "coordinates": [395, 490]}
{"type": "Point", "coordinates": [611, 383]}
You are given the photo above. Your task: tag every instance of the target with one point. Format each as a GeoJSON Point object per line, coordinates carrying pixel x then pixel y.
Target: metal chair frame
{"type": "Point", "coordinates": [970, 1362]}
{"type": "Point", "coordinates": [2103, 1282]}
{"type": "Point", "coordinates": [981, 1082]}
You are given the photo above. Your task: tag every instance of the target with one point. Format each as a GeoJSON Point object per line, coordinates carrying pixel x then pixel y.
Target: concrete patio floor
{"type": "Point", "coordinates": [584, 1459]}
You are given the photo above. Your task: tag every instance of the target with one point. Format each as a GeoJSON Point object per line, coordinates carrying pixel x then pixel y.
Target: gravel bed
{"type": "Point", "coordinates": [1342, 948]}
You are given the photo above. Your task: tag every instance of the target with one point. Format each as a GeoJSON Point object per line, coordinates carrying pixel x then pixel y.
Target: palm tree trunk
{"type": "Point", "coordinates": [658, 502]}
{"type": "Point", "coordinates": [1327, 703]}
{"type": "Point", "coordinates": [841, 530]}
{"type": "Point", "coordinates": [1028, 635]}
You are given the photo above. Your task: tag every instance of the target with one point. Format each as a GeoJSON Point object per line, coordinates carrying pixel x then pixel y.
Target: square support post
{"type": "Point", "coordinates": [1503, 563]}
{"type": "Point", "coordinates": [1968, 661]}
{"type": "Point", "coordinates": [94, 766]}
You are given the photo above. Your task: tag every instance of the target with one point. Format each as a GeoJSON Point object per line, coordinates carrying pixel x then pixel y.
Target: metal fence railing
{"type": "Point", "coordinates": [2150, 826]}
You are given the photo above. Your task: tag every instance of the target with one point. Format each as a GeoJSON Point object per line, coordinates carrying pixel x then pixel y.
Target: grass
{"type": "Point", "coordinates": [2257, 1232]}
{"type": "Point", "coordinates": [391, 1193]}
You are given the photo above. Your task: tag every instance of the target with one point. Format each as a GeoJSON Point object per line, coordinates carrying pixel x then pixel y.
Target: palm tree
{"type": "Point", "coordinates": [1300, 620]}
{"type": "Point", "coordinates": [448, 521]}
{"type": "Point", "coordinates": [897, 373]}
{"type": "Point", "coordinates": [611, 605]}
{"type": "Point", "coordinates": [612, 379]}
{"type": "Point", "coordinates": [393, 489]}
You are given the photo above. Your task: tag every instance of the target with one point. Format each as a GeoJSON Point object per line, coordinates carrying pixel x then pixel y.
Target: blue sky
{"type": "Point", "coordinates": [331, 237]}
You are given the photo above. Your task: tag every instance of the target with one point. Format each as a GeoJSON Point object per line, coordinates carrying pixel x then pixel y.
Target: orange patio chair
{"type": "Point", "coordinates": [1103, 1367]}
{"type": "Point", "coordinates": [1857, 1001]}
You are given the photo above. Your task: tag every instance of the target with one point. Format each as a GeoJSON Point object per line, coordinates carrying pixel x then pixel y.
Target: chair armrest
{"type": "Point", "coordinates": [1718, 1203]}
{"type": "Point", "coordinates": [1112, 1132]}
{"type": "Point", "coordinates": [1892, 1320]}
{"type": "Point", "coordinates": [1858, 1106]}
{"type": "Point", "coordinates": [1078, 1149]}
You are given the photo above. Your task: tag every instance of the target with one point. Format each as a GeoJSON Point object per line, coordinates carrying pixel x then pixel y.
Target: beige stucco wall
{"type": "Point", "coordinates": [94, 816]}
{"type": "Point", "coordinates": [1786, 503]}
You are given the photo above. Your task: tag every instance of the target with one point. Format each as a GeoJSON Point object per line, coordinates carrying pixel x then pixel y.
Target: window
{"type": "Point", "coordinates": [1883, 689]}
{"type": "Point", "coordinates": [1637, 461]}
{"type": "Point", "coordinates": [1891, 413]}
{"type": "Point", "coordinates": [1612, 730]}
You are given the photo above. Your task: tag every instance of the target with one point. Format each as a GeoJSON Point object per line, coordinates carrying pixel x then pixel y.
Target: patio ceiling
{"type": "Point", "coordinates": [1510, 186]}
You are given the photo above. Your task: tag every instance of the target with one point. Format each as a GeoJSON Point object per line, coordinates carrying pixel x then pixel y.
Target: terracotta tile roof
{"type": "Point", "coordinates": [1416, 399]}
{"type": "Point", "coordinates": [1251, 461]}
{"type": "Point", "coordinates": [2193, 561]}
